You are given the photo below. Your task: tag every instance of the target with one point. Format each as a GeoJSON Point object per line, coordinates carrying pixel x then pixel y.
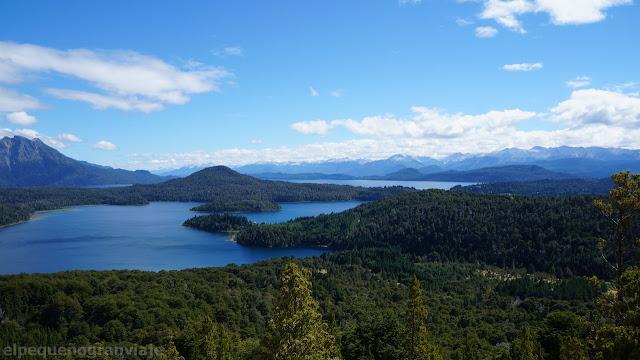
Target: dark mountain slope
{"type": "Point", "coordinates": [511, 173]}
{"type": "Point", "coordinates": [25, 162]}
{"type": "Point", "coordinates": [219, 183]}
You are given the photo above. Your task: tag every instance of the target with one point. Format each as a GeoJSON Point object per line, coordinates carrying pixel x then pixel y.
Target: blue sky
{"type": "Point", "coordinates": [153, 84]}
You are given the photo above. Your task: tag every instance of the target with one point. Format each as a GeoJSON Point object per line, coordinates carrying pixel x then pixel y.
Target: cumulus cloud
{"type": "Point", "coordinates": [572, 12]}
{"type": "Point", "coordinates": [522, 67]}
{"type": "Point", "coordinates": [506, 12]}
{"type": "Point", "coordinates": [589, 117]}
{"type": "Point", "coordinates": [314, 127]}
{"type": "Point", "coordinates": [486, 32]}
{"type": "Point", "coordinates": [433, 123]}
{"type": "Point", "coordinates": [21, 118]}
{"type": "Point", "coordinates": [561, 12]}
{"type": "Point", "coordinates": [104, 145]}
{"type": "Point", "coordinates": [313, 91]}
{"type": "Point", "coordinates": [140, 82]}
{"type": "Point", "coordinates": [601, 107]}
{"type": "Point", "coordinates": [578, 82]}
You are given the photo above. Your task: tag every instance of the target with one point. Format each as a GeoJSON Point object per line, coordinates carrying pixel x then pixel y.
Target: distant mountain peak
{"type": "Point", "coordinates": [25, 162]}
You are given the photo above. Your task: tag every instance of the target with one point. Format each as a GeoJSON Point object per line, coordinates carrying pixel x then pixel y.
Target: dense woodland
{"type": "Point", "coordinates": [212, 185]}
{"type": "Point", "coordinates": [245, 206]}
{"type": "Point", "coordinates": [564, 187]}
{"type": "Point", "coordinates": [558, 235]}
{"type": "Point", "coordinates": [217, 222]}
{"type": "Point", "coordinates": [420, 275]}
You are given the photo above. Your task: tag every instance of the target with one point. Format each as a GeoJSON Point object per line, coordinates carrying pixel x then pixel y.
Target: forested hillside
{"type": "Point", "coordinates": [555, 235]}
{"type": "Point", "coordinates": [362, 297]}
{"type": "Point", "coordinates": [223, 187]}
{"type": "Point", "coordinates": [564, 187]}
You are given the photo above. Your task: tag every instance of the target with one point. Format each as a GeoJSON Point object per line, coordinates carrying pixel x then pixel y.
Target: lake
{"type": "Point", "coordinates": [420, 185]}
{"type": "Point", "coordinates": [146, 237]}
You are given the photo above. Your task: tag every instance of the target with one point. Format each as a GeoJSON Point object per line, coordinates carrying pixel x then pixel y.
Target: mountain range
{"type": "Point", "coordinates": [25, 162]}
{"type": "Point", "coordinates": [593, 162]}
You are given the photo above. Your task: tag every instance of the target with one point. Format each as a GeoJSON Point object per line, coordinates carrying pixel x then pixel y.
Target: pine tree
{"type": "Point", "coordinates": [526, 347]}
{"type": "Point", "coordinates": [416, 344]}
{"type": "Point", "coordinates": [169, 352]}
{"type": "Point", "coordinates": [296, 330]}
{"type": "Point", "coordinates": [622, 209]}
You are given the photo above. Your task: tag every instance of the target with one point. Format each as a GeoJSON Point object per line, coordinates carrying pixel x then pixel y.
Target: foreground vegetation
{"type": "Point", "coordinates": [557, 235]}
{"type": "Point", "coordinates": [385, 295]}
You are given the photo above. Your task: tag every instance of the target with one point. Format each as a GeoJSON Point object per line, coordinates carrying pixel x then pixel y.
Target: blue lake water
{"type": "Point", "coordinates": [136, 237]}
{"type": "Point", "coordinates": [420, 185]}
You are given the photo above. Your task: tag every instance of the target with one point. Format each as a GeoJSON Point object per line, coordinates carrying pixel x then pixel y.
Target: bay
{"type": "Point", "coordinates": [146, 237]}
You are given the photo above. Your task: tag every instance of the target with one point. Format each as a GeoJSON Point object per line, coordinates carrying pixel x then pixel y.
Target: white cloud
{"type": "Point", "coordinates": [104, 145]}
{"type": "Point", "coordinates": [229, 51]}
{"type": "Point", "coordinates": [486, 32]}
{"type": "Point", "coordinates": [21, 118]}
{"type": "Point", "coordinates": [60, 142]}
{"type": "Point", "coordinates": [254, 141]}
{"type": "Point", "coordinates": [337, 93]}
{"type": "Point", "coordinates": [433, 123]}
{"type": "Point", "coordinates": [70, 138]}
{"type": "Point", "coordinates": [601, 107]}
{"type": "Point", "coordinates": [561, 12]}
{"type": "Point", "coordinates": [313, 91]}
{"type": "Point", "coordinates": [314, 127]}
{"type": "Point", "coordinates": [522, 67]}
{"type": "Point", "coordinates": [578, 82]}
{"type": "Point", "coordinates": [589, 117]}
{"type": "Point", "coordinates": [573, 12]}
{"type": "Point", "coordinates": [463, 22]}
{"type": "Point", "coordinates": [11, 101]}
{"type": "Point", "coordinates": [121, 75]}
{"type": "Point", "coordinates": [506, 12]}
{"type": "Point", "coordinates": [104, 102]}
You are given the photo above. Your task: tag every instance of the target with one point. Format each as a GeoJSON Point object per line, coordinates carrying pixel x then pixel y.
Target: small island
{"type": "Point", "coordinates": [247, 206]}
{"type": "Point", "coordinates": [217, 222]}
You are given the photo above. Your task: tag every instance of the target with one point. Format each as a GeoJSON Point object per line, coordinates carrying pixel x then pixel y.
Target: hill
{"type": "Point", "coordinates": [25, 162]}
{"type": "Point", "coordinates": [562, 187]}
{"type": "Point", "coordinates": [220, 183]}
{"type": "Point", "coordinates": [219, 187]}
{"type": "Point", "coordinates": [542, 233]}
{"type": "Point", "coordinates": [511, 173]}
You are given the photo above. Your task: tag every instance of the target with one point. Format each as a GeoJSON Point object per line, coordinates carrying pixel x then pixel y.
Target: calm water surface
{"type": "Point", "coordinates": [136, 237]}
{"type": "Point", "coordinates": [420, 185]}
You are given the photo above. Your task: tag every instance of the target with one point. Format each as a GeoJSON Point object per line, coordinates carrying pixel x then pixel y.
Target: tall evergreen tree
{"type": "Point", "coordinates": [296, 330]}
{"type": "Point", "coordinates": [526, 346]}
{"type": "Point", "coordinates": [622, 209]}
{"type": "Point", "coordinates": [169, 352]}
{"type": "Point", "coordinates": [416, 344]}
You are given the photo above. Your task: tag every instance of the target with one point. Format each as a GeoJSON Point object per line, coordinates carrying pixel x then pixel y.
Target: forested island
{"type": "Point", "coordinates": [245, 206]}
{"type": "Point", "coordinates": [217, 222]}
